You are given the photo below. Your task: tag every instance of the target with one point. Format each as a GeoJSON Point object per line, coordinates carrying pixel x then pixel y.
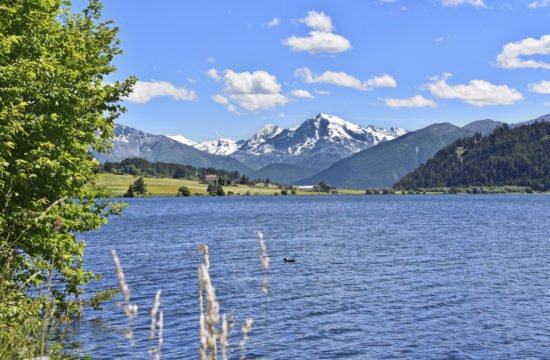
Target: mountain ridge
{"type": "Point", "coordinates": [317, 142]}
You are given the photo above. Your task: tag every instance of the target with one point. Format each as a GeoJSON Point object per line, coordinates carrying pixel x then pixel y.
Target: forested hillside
{"type": "Point", "coordinates": [509, 156]}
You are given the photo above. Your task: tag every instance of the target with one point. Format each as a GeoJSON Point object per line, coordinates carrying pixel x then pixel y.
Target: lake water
{"type": "Point", "coordinates": [376, 277]}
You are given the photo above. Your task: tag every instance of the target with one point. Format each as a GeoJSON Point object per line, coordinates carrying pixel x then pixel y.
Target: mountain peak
{"type": "Point", "coordinates": [268, 131]}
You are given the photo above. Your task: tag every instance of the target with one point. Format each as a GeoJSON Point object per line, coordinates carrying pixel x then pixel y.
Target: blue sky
{"type": "Point", "coordinates": [212, 69]}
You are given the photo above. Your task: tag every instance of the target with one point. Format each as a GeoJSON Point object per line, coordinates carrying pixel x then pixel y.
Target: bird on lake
{"type": "Point", "coordinates": [289, 260]}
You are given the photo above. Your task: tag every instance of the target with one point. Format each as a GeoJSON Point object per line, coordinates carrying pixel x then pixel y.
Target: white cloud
{"type": "Point", "coordinates": [321, 38]}
{"type": "Point", "coordinates": [144, 91]}
{"type": "Point", "coordinates": [539, 4]}
{"type": "Point", "coordinates": [318, 42]}
{"type": "Point", "coordinates": [220, 99]}
{"type": "Point", "coordinates": [344, 79]}
{"type": "Point", "coordinates": [322, 92]}
{"type": "Point", "coordinates": [273, 22]}
{"type": "Point", "coordinates": [510, 57]}
{"type": "Point", "coordinates": [318, 21]}
{"type": "Point", "coordinates": [476, 92]}
{"type": "Point", "coordinates": [254, 91]}
{"type": "Point", "coordinates": [547, 103]}
{"type": "Point", "coordinates": [417, 101]}
{"type": "Point", "coordinates": [542, 87]}
{"type": "Point", "coordinates": [301, 94]}
{"type": "Point", "coordinates": [213, 73]}
{"type": "Point", "coordinates": [232, 108]}
{"type": "Point", "coordinates": [476, 3]}
{"type": "Point", "coordinates": [211, 60]}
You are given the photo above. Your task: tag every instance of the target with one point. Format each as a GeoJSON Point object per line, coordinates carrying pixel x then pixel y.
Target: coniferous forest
{"type": "Point", "coordinates": [517, 156]}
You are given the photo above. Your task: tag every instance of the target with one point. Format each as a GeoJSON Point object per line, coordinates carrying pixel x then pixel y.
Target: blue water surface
{"type": "Point", "coordinates": [376, 277]}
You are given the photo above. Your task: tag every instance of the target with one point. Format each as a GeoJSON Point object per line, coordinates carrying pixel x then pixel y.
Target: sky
{"type": "Point", "coordinates": [211, 69]}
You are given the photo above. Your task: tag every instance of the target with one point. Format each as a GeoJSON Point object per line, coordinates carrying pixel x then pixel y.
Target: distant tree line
{"type": "Point", "coordinates": [517, 156]}
{"type": "Point", "coordinates": [141, 167]}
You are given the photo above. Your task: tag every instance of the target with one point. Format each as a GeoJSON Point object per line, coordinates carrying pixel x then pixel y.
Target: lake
{"type": "Point", "coordinates": [376, 277]}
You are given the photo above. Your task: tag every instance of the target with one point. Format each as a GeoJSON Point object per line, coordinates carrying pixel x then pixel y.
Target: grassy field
{"type": "Point", "coordinates": [118, 184]}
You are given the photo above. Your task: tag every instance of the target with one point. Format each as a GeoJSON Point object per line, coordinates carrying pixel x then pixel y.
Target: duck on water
{"type": "Point", "coordinates": [288, 260]}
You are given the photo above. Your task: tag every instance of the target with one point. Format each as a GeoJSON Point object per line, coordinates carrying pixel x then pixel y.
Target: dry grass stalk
{"type": "Point", "coordinates": [265, 263]}
{"type": "Point", "coordinates": [154, 312]}
{"type": "Point", "coordinates": [203, 332]}
{"type": "Point", "coordinates": [204, 249]}
{"type": "Point", "coordinates": [160, 342]}
{"type": "Point", "coordinates": [247, 327]}
{"type": "Point", "coordinates": [130, 310]}
{"type": "Point", "coordinates": [210, 310]}
{"type": "Point", "coordinates": [156, 324]}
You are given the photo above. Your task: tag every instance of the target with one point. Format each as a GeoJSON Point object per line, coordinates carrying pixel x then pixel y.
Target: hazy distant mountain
{"type": "Point", "coordinates": [484, 127]}
{"type": "Point", "coordinates": [317, 143]}
{"type": "Point", "coordinates": [284, 173]}
{"type": "Point", "coordinates": [543, 118]}
{"type": "Point", "coordinates": [129, 142]}
{"type": "Point", "coordinates": [384, 164]}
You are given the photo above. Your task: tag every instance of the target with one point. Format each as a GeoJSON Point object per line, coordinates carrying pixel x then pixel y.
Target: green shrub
{"type": "Point", "coordinates": [184, 191]}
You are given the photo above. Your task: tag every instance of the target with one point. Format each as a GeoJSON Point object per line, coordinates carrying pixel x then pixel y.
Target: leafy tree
{"type": "Point", "coordinates": [220, 191]}
{"type": "Point", "coordinates": [211, 189]}
{"type": "Point", "coordinates": [184, 191]}
{"type": "Point", "coordinates": [55, 106]}
{"type": "Point", "coordinates": [139, 186]}
{"type": "Point", "coordinates": [130, 192]}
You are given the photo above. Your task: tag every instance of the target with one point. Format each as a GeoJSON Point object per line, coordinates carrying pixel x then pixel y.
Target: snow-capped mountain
{"type": "Point", "coordinates": [316, 143]}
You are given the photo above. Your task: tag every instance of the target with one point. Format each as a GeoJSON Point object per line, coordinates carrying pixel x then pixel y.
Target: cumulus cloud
{"type": "Point", "coordinates": [144, 91]}
{"type": "Point", "coordinates": [323, 92]}
{"type": "Point", "coordinates": [220, 99]}
{"type": "Point", "coordinates": [318, 21]}
{"type": "Point", "coordinates": [476, 92]}
{"type": "Point", "coordinates": [321, 39]}
{"type": "Point", "coordinates": [539, 4]}
{"type": "Point", "coordinates": [510, 57]}
{"type": "Point", "coordinates": [417, 101]}
{"type": "Point", "coordinates": [273, 22]}
{"type": "Point", "coordinates": [542, 87]}
{"type": "Point", "coordinates": [476, 3]}
{"type": "Point", "coordinates": [344, 79]}
{"type": "Point", "coordinates": [301, 94]}
{"type": "Point", "coordinates": [213, 73]}
{"type": "Point", "coordinates": [254, 91]}
{"type": "Point", "coordinates": [211, 60]}
{"type": "Point", "coordinates": [318, 42]}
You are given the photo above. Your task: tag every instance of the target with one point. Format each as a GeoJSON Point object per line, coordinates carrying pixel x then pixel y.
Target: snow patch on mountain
{"type": "Point", "coordinates": [218, 147]}
{"type": "Point", "coordinates": [182, 139]}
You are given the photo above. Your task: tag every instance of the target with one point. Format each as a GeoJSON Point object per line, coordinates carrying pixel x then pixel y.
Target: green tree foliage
{"type": "Point", "coordinates": [55, 106]}
{"type": "Point", "coordinates": [184, 191]}
{"type": "Point", "coordinates": [139, 166]}
{"type": "Point", "coordinates": [509, 156]}
{"type": "Point", "coordinates": [130, 192]}
{"type": "Point", "coordinates": [211, 189]}
{"type": "Point", "coordinates": [139, 186]}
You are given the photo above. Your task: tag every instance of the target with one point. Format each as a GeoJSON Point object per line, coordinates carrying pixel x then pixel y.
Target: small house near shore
{"type": "Point", "coordinates": [310, 188]}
